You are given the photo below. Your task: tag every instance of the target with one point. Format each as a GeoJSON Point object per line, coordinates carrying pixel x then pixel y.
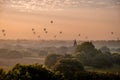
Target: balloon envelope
{"type": "Point", "coordinates": [61, 32]}
{"type": "Point", "coordinates": [39, 36]}
{"type": "Point", "coordinates": [44, 29]}
{"type": "Point", "coordinates": [33, 29]}
{"type": "Point", "coordinates": [51, 21]}
{"type": "Point", "coordinates": [112, 33]}
{"type": "Point", "coordinates": [34, 32]}
{"type": "Point", "coordinates": [46, 32]}
{"type": "Point", "coordinates": [3, 30]}
{"type": "Point", "coordinates": [4, 34]}
{"type": "Point", "coordinates": [55, 36]}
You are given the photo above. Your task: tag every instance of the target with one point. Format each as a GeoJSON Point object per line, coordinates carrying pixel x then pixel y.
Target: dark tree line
{"type": "Point", "coordinates": [66, 72]}
{"type": "Point", "coordinates": [29, 72]}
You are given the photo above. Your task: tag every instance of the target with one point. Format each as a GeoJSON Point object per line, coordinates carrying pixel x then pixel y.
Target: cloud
{"type": "Point", "coordinates": [58, 4]}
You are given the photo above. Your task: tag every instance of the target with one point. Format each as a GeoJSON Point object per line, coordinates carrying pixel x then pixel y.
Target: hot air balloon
{"type": "Point", "coordinates": [33, 29]}
{"type": "Point", "coordinates": [60, 32]}
{"type": "Point", "coordinates": [4, 34]}
{"type": "Point", "coordinates": [38, 36]}
{"type": "Point", "coordinates": [46, 32]}
{"type": "Point", "coordinates": [44, 29]}
{"type": "Point", "coordinates": [34, 32]}
{"type": "Point", "coordinates": [55, 36]}
{"type": "Point", "coordinates": [79, 35]}
{"type": "Point", "coordinates": [3, 30]}
{"type": "Point", "coordinates": [51, 21]}
{"type": "Point", "coordinates": [112, 33]}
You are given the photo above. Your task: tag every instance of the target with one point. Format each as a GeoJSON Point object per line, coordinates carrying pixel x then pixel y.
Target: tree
{"type": "Point", "coordinates": [68, 67]}
{"type": "Point", "coordinates": [51, 59]}
{"type": "Point", "coordinates": [88, 48]}
{"type": "Point", "coordinates": [2, 74]}
{"type": "Point", "coordinates": [105, 49]}
{"type": "Point", "coordinates": [31, 72]}
{"type": "Point", "coordinates": [67, 56]}
{"type": "Point", "coordinates": [102, 61]}
{"type": "Point", "coordinates": [85, 53]}
{"type": "Point", "coordinates": [84, 58]}
{"type": "Point", "coordinates": [118, 49]}
{"type": "Point", "coordinates": [116, 58]}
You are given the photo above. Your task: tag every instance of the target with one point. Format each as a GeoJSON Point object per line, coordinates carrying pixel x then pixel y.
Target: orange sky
{"type": "Point", "coordinates": [95, 23]}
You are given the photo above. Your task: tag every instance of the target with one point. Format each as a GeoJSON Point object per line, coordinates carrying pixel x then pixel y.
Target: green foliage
{"type": "Point", "coordinates": [38, 72]}
{"type": "Point", "coordinates": [51, 59]}
{"type": "Point", "coordinates": [30, 72]}
{"type": "Point", "coordinates": [2, 74]}
{"type": "Point", "coordinates": [84, 58]}
{"type": "Point", "coordinates": [102, 61]}
{"type": "Point", "coordinates": [116, 58]}
{"type": "Point", "coordinates": [118, 49]}
{"type": "Point", "coordinates": [88, 48]}
{"type": "Point", "coordinates": [90, 56]}
{"type": "Point", "coordinates": [68, 67]}
{"type": "Point", "coordinates": [105, 49]}
{"type": "Point", "coordinates": [96, 76]}
{"type": "Point", "coordinates": [67, 56]}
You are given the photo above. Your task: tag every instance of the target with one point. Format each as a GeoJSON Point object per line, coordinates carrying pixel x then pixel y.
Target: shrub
{"type": "Point", "coordinates": [51, 59]}
{"type": "Point", "coordinates": [2, 74]}
{"type": "Point", "coordinates": [68, 67]}
{"type": "Point", "coordinates": [30, 72]}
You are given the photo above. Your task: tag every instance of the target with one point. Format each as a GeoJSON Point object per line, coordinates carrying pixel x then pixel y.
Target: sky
{"type": "Point", "coordinates": [76, 19]}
